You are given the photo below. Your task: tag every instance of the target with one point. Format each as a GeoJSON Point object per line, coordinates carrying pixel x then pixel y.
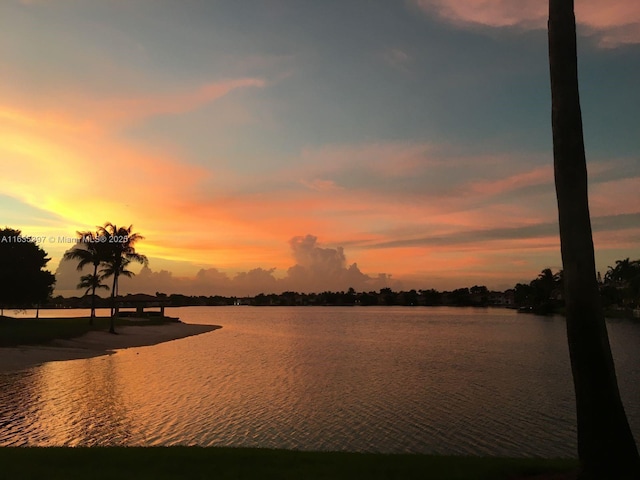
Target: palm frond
{"type": "Point", "coordinates": [91, 282]}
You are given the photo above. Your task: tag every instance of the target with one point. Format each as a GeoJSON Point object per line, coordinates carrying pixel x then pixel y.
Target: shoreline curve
{"type": "Point", "coordinates": [96, 343]}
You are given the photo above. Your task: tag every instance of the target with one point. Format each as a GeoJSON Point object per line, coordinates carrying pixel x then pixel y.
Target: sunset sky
{"type": "Point", "coordinates": [312, 145]}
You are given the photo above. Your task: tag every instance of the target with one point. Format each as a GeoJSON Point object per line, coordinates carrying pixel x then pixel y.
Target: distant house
{"type": "Point", "coordinates": [502, 299]}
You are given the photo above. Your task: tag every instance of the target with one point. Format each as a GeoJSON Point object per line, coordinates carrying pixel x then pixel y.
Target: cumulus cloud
{"type": "Point", "coordinates": [320, 269]}
{"type": "Point", "coordinates": [68, 276]}
{"type": "Point", "coordinates": [316, 269]}
{"type": "Point", "coordinates": [308, 254]}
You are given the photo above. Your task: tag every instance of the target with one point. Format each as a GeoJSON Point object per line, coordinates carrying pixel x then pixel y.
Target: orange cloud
{"type": "Point", "coordinates": [80, 174]}
{"type": "Point", "coordinates": [538, 176]}
{"type": "Point", "coordinates": [45, 121]}
{"type": "Point", "coordinates": [70, 160]}
{"type": "Point", "coordinates": [384, 159]}
{"type": "Point", "coordinates": [366, 212]}
{"type": "Point", "coordinates": [615, 197]}
{"type": "Point", "coordinates": [73, 110]}
{"type": "Point", "coordinates": [614, 23]}
{"type": "Point", "coordinates": [205, 217]}
{"type": "Point", "coordinates": [320, 185]}
{"type": "Point", "coordinates": [130, 109]}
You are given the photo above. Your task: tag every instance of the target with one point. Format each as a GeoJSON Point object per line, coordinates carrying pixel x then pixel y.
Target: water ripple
{"type": "Point", "coordinates": [448, 381]}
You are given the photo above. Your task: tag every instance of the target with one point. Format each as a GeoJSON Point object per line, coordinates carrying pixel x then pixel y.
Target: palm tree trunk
{"type": "Point", "coordinates": [606, 446]}
{"type": "Point", "coordinates": [93, 295]}
{"type": "Point", "coordinates": [93, 305]}
{"type": "Point", "coordinates": [114, 290]}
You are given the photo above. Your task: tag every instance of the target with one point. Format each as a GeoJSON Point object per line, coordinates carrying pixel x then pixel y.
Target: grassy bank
{"type": "Point", "coordinates": [246, 463]}
{"type": "Point", "coordinates": [40, 331]}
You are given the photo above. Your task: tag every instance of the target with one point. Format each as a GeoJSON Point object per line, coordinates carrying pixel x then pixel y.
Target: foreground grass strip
{"type": "Point", "coordinates": [161, 463]}
{"type": "Point", "coordinates": [40, 331]}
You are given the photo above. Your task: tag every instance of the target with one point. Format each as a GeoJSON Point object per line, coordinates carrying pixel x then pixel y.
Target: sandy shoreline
{"type": "Point", "coordinates": [97, 343]}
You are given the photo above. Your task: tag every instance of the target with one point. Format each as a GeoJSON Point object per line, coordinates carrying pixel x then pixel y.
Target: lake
{"type": "Point", "coordinates": [437, 380]}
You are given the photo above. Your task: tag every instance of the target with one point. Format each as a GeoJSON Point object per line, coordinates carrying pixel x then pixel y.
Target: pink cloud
{"type": "Point", "coordinates": [615, 197]}
{"type": "Point", "coordinates": [384, 159]}
{"type": "Point", "coordinates": [538, 176]}
{"type": "Point", "coordinates": [493, 13]}
{"type": "Point", "coordinates": [614, 23]}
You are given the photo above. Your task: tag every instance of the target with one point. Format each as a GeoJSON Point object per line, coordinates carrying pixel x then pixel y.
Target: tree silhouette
{"type": "Point", "coordinates": [91, 283]}
{"type": "Point", "coordinates": [606, 446]}
{"type": "Point", "coordinates": [625, 277]}
{"type": "Point", "coordinates": [543, 289]}
{"type": "Point", "coordinates": [116, 270]}
{"type": "Point", "coordinates": [89, 251]}
{"type": "Point", "coordinates": [23, 282]}
{"type": "Point", "coordinates": [120, 253]}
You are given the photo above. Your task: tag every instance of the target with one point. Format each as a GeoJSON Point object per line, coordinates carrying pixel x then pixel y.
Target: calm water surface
{"type": "Point", "coordinates": [381, 379]}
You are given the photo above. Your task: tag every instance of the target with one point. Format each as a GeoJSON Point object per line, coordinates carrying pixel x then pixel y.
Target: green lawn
{"type": "Point", "coordinates": [160, 463]}
{"type": "Point", "coordinates": [38, 331]}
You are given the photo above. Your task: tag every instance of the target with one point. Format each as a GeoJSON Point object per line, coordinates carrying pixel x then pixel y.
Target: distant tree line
{"type": "Point", "coordinates": [620, 290]}
{"type": "Point", "coordinates": [543, 295]}
{"type": "Point", "coordinates": [25, 284]}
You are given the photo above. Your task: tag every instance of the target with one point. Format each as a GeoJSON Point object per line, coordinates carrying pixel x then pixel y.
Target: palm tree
{"type": "Point", "coordinates": [625, 277]}
{"type": "Point", "coordinates": [91, 283]}
{"type": "Point", "coordinates": [606, 447]}
{"type": "Point", "coordinates": [110, 269]}
{"type": "Point", "coordinates": [548, 281]}
{"type": "Point", "coordinates": [119, 243]}
{"type": "Point", "coordinates": [89, 251]}
{"type": "Point", "coordinates": [545, 288]}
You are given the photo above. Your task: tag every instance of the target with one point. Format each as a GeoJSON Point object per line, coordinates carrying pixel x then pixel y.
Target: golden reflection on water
{"type": "Point", "coordinates": [80, 402]}
{"type": "Point", "coordinates": [394, 380]}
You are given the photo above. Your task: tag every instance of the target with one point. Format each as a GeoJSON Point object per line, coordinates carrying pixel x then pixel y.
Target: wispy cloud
{"type": "Point", "coordinates": [375, 155]}
{"type": "Point", "coordinates": [172, 103]}
{"type": "Point", "coordinates": [615, 197]}
{"type": "Point", "coordinates": [518, 181]}
{"type": "Point", "coordinates": [397, 58]}
{"type": "Point", "coordinates": [98, 174]}
{"type": "Point", "coordinates": [320, 185]}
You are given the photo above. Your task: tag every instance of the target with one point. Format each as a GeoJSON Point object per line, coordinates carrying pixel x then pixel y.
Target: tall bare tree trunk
{"type": "Point", "coordinates": [606, 446]}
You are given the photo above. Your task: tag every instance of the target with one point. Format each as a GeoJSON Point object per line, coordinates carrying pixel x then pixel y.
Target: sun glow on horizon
{"type": "Point", "coordinates": [412, 157]}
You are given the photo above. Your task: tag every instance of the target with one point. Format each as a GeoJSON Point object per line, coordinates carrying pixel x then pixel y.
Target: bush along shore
{"type": "Point", "coordinates": [41, 331]}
